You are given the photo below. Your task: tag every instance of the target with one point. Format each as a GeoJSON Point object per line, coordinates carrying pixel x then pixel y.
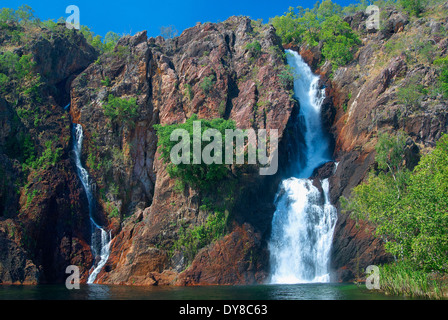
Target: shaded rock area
{"type": "Point", "coordinates": [44, 223]}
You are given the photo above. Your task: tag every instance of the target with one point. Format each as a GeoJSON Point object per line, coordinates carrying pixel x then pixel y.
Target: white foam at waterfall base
{"type": "Point", "coordinates": [304, 220]}
{"type": "Point", "coordinates": [100, 246]}
{"type": "Point", "coordinates": [104, 254]}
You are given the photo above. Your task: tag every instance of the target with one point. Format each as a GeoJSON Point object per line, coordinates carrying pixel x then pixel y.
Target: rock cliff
{"type": "Point", "coordinates": [364, 98]}
{"type": "Point", "coordinates": [229, 70]}
{"type": "Point", "coordinates": [44, 225]}
{"type": "Point", "coordinates": [165, 75]}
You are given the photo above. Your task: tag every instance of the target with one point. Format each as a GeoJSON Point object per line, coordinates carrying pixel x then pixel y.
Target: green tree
{"type": "Point", "coordinates": [411, 219]}
{"type": "Point", "coordinates": [25, 14]}
{"type": "Point", "coordinates": [328, 9]}
{"type": "Point", "coordinates": [168, 32]}
{"type": "Point", "coordinates": [442, 63]}
{"type": "Point", "coordinates": [120, 109]}
{"type": "Point", "coordinates": [7, 15]}
{"type": "Point", "coordinates": [110, 41]}
{"type": "Point", "coordinates": [254, 48]}
{"type": "Point", "coordinates": [322, 24]}
{"type": "Point", "coordinates": [339, 41]}
{"type": "Point", "coordinates": [410, 94]}
{"type": "Point", "coordinates": [287, 27]}
{"type": "Point", "coordinates": [309, 28]}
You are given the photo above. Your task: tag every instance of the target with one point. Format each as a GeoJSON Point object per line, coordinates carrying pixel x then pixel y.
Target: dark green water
{"type": "Point", "coordinates": [256, 292]}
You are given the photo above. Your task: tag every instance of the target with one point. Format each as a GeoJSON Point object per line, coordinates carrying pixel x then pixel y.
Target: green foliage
{"type": "Point", "coordinates": [120, 109]}
{"type": "Point", "coordinates": [287, 77]}
{"type": "Point", "coordinates": [106, 82]}
{"type": "Point", "coordinates": [189, 91]}
{"type": "Point", "coordinates": [23, 15]}
{"type": "Point", "coordinates": [50, 156]}
{"type": "Point", "coordinates": [254, 48]}
{"type": "Point", "coordinates": [20, 146]}
{"type": "Point", "coordinates": [19, 80]}
{"type": "Point", "coordinates": [7, 15]}
{"type": "Point", "coordinates": [4, 80]}
{"type": "Point", "coordinates": [113, 211]}
{"type": "Point", "coordinates": [208, 83]}
{"type": "Point", "coordinates": [19, 67]}
{"type": "Point", "coordinates": [110, 40]}
{"type": "Point", "coordinates": [49, 24]}
{"type": "Point", "coordinates": [222, 108]}
{"type": "Point", "coordinates": [323, 24]}
{"type": "Point", "coordinates": [402, 278]}
{"type": "Point", "coordinates": [338, 39]}
{"type": "Point", "coordinates": [411, 93]}
{"type": "Point", "coordinates": [442, 63]}
{"type": "Point", "coordinates": [201, 176]}
{"type": "Point", "coordinates": [92, 39]}
{"type": "Point", "coordinates": [409, 209]}
{"type": "Point", "coordinates": [413, 7]}
{"type": "Point", "coordinates": [390, 151]}
{"type": "Point", "coordinates": [191, 240]}
{"type": "Point", "coordinates": [287, 27]}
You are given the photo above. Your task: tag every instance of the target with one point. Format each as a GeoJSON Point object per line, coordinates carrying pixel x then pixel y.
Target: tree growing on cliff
{"type": "Point", "coordinates": [121, 109]}
{"type": "Point", "coordinates": [413, 7]}
{"type": "Point", "coordinates": [412, 220]}
{"type": "Point", "coordinates": [201, 176]}
{"type": "Point", "coordinates": [168, 32]}
{"type": "Point", "coordinates": [321, 25]}
{"type": "Point", "coordinates": [338, 40]}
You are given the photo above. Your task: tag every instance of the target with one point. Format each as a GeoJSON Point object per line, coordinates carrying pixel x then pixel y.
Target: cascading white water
{"type": "Point", "coordinates": [304, 220]}
{"type": "Point", "coordinates": [100, 238]}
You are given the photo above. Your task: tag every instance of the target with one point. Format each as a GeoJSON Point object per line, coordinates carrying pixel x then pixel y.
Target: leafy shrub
{"type": "Point", "coordinates": [191, 240]}
{"type": "Point", "coordinates": [254, 48]}
{"type": "Point", "coordinates": [443, 78]}
{"type": "Point", "coordinates": [408, 209]}
{"type": "Point", "coordinates": [120, 109]}
{"type": "Point", "coordinates": [201, 176]}
{"type": "Point", "coordinates": [322, 24]}
{"type": "Point", "coordinates": [413, 7]}
{"type": "Point", "coordinates": [411, 93]}
{"type": "Point", "coordinates": [106, 82]}
{"type": "Point", "coordinates": [189, 91]}
{"type": "Point", "coordinates": [50, 156]}
{"type": "Point", "coordinates": [208, 83]}
{"type": "Point", "coordinates": [339, 41]}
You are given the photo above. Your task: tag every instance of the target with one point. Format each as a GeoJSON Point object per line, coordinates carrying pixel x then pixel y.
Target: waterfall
{"type": "Point", "coordinates": [100, 240]}
{"type": "Point", "coordinates": [304, 220]}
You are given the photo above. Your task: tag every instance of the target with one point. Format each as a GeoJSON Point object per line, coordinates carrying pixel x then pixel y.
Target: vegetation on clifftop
{"type": "Point", "coordinates": [323, 25]}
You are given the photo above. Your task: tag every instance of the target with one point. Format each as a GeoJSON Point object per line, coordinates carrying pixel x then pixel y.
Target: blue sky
{"type": "Point", "coordinates": [131, 16]}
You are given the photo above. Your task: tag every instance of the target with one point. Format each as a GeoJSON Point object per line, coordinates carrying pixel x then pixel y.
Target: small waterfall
{"type": "Point", "coordinates": [304, 220]}
{"type": "Point", "coordinates": [100, 240]}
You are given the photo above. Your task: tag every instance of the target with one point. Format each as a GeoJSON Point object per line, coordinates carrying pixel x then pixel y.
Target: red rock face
{"type": "Point", "coordinates": [43, 225]}
{"type": "Point", "coordinates": [166, 77]}
{"type": "Point", "coordinates": [235, 259]}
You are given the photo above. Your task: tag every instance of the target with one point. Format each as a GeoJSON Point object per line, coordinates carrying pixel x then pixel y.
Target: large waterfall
{"type": "Point", "coordinates": [100, 241]}
{"type": "Point", "coordinates": [304, 220]}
